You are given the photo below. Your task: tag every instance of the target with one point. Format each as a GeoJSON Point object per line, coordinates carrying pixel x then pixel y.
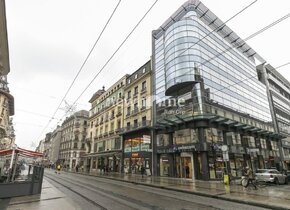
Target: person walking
{"type": "Point", "coordinates": [251, 178]}
{"type": "Point", "coordinates": [142, 171]}
{"type": "Point", "coordinates": [58, 168]}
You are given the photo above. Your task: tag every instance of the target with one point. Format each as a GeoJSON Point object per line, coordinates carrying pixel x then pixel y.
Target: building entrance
{"type": "Point", "coordinates": [184, 167]}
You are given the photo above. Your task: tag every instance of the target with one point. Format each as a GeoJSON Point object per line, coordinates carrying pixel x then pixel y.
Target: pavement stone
{"type": "Point", "coordinates": [50, 198]}
{"type": "Point", "coordinates": [273, 197]}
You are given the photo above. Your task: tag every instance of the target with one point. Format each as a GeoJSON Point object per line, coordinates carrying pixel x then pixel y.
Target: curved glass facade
{"type": "Point", "coordinates": [230, 78]}
{"type": "Point", "coordinates": [179, 61]}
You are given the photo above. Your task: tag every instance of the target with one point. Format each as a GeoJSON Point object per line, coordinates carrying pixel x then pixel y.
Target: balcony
{"type": "Point", "coordinates": [118, 130]}
{"type": "Point", "coordinates": [128, 99]}
{"type": "Point", "coordinates": [111, 132]}
{"type": "Point", "coordinates": [135, 111]}
{"type": "Point", "coordinates": [135, 95]}
{"type": "Point", "coordinates": [141, 124]}
{"type": "Point", "coordinates": [128, 114]}
{"type": "Point", "coordinates": [143, 90]}
{"type": "Point", "coordinates": [105, 134]}
{"type": "Point", "coordinates": [119, 114]}
{"type": "Point", "coordinates": [106, 119]}
{"type": "Point", "coordinates": [101, 122]}
{"type": "Point", "coordinates": [112, 117]}
{"type": "Point", "coordinates": [88, 140]}
{"type": "Point", "coordinates": [143, 108]}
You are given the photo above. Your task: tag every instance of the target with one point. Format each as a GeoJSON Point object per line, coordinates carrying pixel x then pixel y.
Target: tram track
{"type": "Point", "coordinates": [79, 194]}
{"type": "Point", "coordinates": [131, 203]}
{"type": "Point", "coordinates": [108, 193]}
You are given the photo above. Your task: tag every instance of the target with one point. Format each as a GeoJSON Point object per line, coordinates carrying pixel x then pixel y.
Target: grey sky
{"type": "Point", "coordinates": [49, 40]}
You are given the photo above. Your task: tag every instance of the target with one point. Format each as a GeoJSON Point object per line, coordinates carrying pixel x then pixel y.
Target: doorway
{"type": "Point", "coordinates": [184, 166]}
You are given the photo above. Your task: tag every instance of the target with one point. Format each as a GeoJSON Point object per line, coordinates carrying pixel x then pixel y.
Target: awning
{"type": "Point", "coordinates": [20, 151]}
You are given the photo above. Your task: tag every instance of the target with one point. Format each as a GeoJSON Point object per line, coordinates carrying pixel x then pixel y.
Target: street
{"type": "Point", "coordinates": [90, 192]}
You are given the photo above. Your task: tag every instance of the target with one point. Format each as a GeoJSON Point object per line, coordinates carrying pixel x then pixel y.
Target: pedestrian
{"type": "Point", "coordinates": [58, 168]}
{"type": "Point", "coordinates": [251, 178]}
{"type": "Point", "coordinates": [142, 171]}
{"type": "Point", "coordinates": [77, 168]}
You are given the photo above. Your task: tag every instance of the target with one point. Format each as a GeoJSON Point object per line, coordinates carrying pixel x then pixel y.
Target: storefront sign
{"type": "Point", "coordinates": [226, 156]}
{"type": "Point", "coordinates": [186, 148]}
{"type": "Point", "coordinates": [135, 155]}
{"type": "Point", "coordinates": [253, 150]}
{"type": "Point", "coordinates": [185, 154]}
{"type": "Point", "coordinates": [146, 139]}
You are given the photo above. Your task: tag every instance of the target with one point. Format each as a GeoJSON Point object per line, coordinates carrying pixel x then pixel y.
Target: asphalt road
{"type": "Point", "coordinates": [89, 193]}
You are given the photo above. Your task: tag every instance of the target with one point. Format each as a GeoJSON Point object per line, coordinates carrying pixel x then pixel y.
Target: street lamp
{"type": "Point", "coordinates": [14, 147]}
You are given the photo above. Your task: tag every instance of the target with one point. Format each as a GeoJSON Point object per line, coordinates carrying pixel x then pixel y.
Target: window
{"type": "Point", "coordinates": [129, 81]}
{"type": "Point", "coordinates": [75, 145]}
{"type": "Point", "coordinates": [143, 102]}
{"type": "Point", "coordinates": [129, 94]}
{"type": "Point", "coordinates": [128, 110]}
{"type": "Point", "coordinates": [144, 69]}
{"type": "Point", "coordinates": [120, 95]}
{"type": "Point", "coordinates": [144, 120]}
{"type": "Point", "coordinates": [135, 123]}
{"type": "Point", "coordinates": [136, 76]}
{"type": "Point", "coordinates": [143, 85]}
{"type": "Point", "coordinates": [136, 90]}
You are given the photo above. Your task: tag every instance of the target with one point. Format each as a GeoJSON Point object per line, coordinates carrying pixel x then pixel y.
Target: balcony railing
{"type": "Point", "coordinates": [141, 124]}
{"type": "Point", "coordinates": [118, 130]}
{"type": "Point", "coordinates": [105, 134]}
{"type": "Point", "coordinates": [119, 113]}
{"type": "Point", "coordinates": [135, 111]}
{"type": "Point", "coordinates": [111, 132]}
{"type": "Point", "coordinates": [143, 90]}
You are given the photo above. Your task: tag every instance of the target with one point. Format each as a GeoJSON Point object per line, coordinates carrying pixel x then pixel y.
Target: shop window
{"type": "Point", "coordinates": [251, 141]}
{"type": "Point", "coordinates": [162, 140]}
{"type": "Point", "coordinates": [182, 136]}
{"type": "Point", "coordinates": [263, 143]}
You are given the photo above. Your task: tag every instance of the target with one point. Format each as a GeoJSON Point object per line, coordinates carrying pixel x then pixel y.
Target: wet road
{"type": "Point", "coordinates": [89, 192]}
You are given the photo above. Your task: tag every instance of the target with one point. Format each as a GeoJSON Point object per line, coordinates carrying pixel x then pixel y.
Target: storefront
{"type": "Point", "coordinates": [176, 161]}
{"type": "Point", "coordinates": [137, 152]}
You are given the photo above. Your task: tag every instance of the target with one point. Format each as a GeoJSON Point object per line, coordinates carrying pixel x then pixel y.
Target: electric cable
{"type": "Point", "coordinates": [282, 65]}
{"type": "Point", "coordinates": [112, 56]}
{"type": "Point", "coordinates": [243, 41]}
{"type": "Point", "coordinates": [83, 64]}
{"type": "Point", "coordinates": [218, 28]}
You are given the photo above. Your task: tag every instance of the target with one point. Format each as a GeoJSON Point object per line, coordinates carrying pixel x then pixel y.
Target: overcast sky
{"type": "Point", "coordinates": [49, 40]}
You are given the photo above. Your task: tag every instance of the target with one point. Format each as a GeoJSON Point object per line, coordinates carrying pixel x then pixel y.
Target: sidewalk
{"type": "Point", "coordinates": [274, 197]}
{"type": "Point", "coordinates": [50, 198]}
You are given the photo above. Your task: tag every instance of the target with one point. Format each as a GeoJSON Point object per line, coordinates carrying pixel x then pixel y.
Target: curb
{"type": "Point", "coordinates": [189, 192]}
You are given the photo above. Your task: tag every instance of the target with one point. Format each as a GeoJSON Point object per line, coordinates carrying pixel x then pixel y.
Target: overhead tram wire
{"type": "Point", "coordinates": [218, 28]}
{"type": "Point", "coordinates": [112, 56]}
{"type": "Point", "coordinates": [83, 64]}
{"type": "Point", "coordinates": [246, 39]}
{"type": "Point", "coordinates": [285, 64]}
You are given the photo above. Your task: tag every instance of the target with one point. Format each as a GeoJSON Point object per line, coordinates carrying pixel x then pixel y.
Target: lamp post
{"type": "Point", "coordinates": [14, 147]}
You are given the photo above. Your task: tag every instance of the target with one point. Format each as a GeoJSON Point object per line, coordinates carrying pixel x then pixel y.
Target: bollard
{"type": "Point", "coordinates": [226, 180]}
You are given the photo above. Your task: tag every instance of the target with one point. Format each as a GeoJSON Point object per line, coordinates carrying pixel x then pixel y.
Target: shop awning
{"type": "Point", "coordinates": [20, 151]}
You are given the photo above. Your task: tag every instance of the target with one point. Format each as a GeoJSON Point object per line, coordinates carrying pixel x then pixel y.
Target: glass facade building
{"type": "Point", "coordinates": [279, 96]}
{"type": "Point", "coordinates": [207, 94]}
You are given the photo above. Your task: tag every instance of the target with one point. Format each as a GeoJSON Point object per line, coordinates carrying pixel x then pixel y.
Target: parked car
{"type": "Point", "coordinates": [271, 175]}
